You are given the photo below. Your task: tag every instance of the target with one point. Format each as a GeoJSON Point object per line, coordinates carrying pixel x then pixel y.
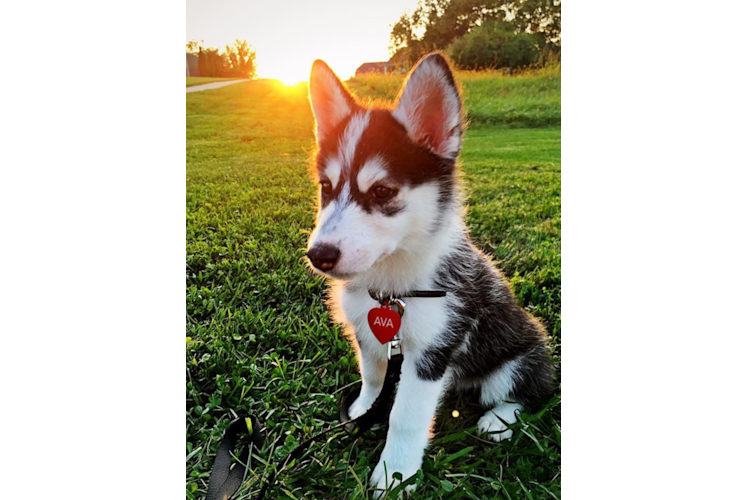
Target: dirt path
{"type": "Point", "coordinates": [213, 85]}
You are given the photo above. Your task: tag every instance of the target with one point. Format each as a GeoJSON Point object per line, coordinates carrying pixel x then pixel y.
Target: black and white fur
{"type": "Point", "coordinates": [390, 219]}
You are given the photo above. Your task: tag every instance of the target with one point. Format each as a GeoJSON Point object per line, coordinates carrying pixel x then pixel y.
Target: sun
{"type": "Point", "coordinates": [294, 66]}
{"type": "Point", "coordinates": [291, 77]}
{"type": "Point", "coordinates": [289, 70]}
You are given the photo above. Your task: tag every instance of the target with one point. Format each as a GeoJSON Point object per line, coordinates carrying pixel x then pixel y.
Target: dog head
{"type": "Point", "coordinates": [386, 176]}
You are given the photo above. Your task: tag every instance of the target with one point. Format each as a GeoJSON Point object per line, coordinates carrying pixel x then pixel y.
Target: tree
{"type": "Point", "coordinates": [193, 46]}
{"type": "Point", "coordinates": [539, 17]}
{"type": "Point", "coordinates": [241, 60]}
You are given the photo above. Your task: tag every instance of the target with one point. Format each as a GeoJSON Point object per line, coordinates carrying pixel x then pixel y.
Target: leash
{"type": "Point", "coordinates": [225, 481]}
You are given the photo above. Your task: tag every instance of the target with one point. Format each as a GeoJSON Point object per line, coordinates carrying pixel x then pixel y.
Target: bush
{"type": "Point", "coordinates": [211, 63]}
{"type": "Point", "coordinates": [519, 51]}
{"type": "Point", "coordinates": [494, 45]}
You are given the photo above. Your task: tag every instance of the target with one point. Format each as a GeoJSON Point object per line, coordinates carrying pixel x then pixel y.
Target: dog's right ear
{"type": "Point", "coordinates": [331, 102]}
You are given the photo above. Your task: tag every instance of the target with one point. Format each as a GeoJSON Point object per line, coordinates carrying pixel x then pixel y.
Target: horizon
{"type": "Point", "coordinates": [333, 32]}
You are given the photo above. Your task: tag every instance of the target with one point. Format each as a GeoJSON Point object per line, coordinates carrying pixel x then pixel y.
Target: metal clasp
{"type": "Point", "coordinates": [395, 346]}
{"type": "Point", "coordinates": [399, 305]}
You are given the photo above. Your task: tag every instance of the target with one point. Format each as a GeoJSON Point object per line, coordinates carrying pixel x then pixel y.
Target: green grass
{"type": "Point", "coordinates": [199, 80]}
{"type": "Point", "coordinates": [260, 340]}
{"type": "Point", "coordinates": [530, 100]}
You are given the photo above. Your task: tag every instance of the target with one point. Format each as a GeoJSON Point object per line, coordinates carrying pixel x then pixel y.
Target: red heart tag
{"type": "Point", "coordinates": [384, 322]}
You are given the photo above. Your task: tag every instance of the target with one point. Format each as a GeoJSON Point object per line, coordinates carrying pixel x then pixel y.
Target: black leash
{"type": "Point", "coordinates": [225, 481]}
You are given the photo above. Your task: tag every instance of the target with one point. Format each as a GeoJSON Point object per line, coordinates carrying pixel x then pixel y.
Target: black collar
{"type": "Point", "coordinates": [381, 297]}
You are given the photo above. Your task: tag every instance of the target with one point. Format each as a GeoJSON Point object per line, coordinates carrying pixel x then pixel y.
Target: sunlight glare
{"type": "Point", "coordinates": [288, 37]}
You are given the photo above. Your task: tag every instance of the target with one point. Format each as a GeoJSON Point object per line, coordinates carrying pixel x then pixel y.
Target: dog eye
{"type": "Point", "coordinates": [326, 187]}
{"type": "Point", "coordinates": [383, 193]}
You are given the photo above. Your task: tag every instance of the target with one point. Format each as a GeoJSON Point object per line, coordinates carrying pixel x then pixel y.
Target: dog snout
{"type": "Point", "coordinates": [324, 257]}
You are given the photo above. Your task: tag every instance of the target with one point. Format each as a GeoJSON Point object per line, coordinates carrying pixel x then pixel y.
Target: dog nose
{"type": "Point", "coordinates": [324, 257]}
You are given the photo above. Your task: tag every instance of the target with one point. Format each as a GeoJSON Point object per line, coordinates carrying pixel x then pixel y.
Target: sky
{"type": "Point", "coordinates": [289, 35]}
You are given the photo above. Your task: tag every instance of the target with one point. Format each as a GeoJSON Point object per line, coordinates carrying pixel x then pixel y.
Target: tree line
{"type": "Point", "coordinates": [237, 61]}
{"type": "Point", "coordinates": [480, 34]}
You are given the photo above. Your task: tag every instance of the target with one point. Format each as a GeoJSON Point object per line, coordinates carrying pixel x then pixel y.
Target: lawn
{"type": "Point", "coordinates": [529, 100]}
{"type": "Point", "coordinates": [199, 80]}
{"type": "Point", "coordinates": [259, 338]}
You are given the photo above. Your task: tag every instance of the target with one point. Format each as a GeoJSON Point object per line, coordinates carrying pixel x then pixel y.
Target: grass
{"type": "Point", "coordinates": [259, 338]}
{"type": "Point", "coordinates": [199, 80]}
{"type": "Point", "coordinates": [529, 100]}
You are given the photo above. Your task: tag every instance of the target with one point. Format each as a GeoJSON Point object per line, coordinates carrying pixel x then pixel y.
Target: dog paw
{"type": "Point", "coordinates": [490, 423]}
{"type": "Point", "coordinates": [382, 479]}
{"type": "Point", "coordinates": [496, 422]}
{"type": "Point", "coordinates": [361, 405]}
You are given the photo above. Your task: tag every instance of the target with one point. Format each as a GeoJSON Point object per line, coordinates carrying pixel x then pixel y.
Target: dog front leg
{"type": "Point", "coordinates": [372, 361]}
{"type": "Point", "coordinates": [410, 426]}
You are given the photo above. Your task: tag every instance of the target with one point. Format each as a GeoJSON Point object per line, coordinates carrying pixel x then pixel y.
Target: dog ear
{"type": "Point", "coordinates": [331, 102]}
{"type": "Point", "coordinates": [429, 106]}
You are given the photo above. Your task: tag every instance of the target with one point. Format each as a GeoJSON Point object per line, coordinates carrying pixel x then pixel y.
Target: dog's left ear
{"type": "Point", "coordinates": [429, 106]}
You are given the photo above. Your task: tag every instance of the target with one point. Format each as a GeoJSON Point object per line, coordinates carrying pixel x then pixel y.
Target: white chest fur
{"type": "Point", "coordinates": [422, 325]}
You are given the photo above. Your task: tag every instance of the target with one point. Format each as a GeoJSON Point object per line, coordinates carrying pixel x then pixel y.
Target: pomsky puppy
{"type": "Point", "coordinates": [390, 221]}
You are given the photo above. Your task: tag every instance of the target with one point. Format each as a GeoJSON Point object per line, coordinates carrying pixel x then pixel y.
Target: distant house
{"type": "Point", "coordinates": [192, 68]}
{"type": "Point", "coordinates": [384, 67]}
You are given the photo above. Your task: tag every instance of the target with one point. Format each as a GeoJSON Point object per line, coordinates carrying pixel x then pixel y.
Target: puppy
{"type": "Point", "coordinates": [390, 221]}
